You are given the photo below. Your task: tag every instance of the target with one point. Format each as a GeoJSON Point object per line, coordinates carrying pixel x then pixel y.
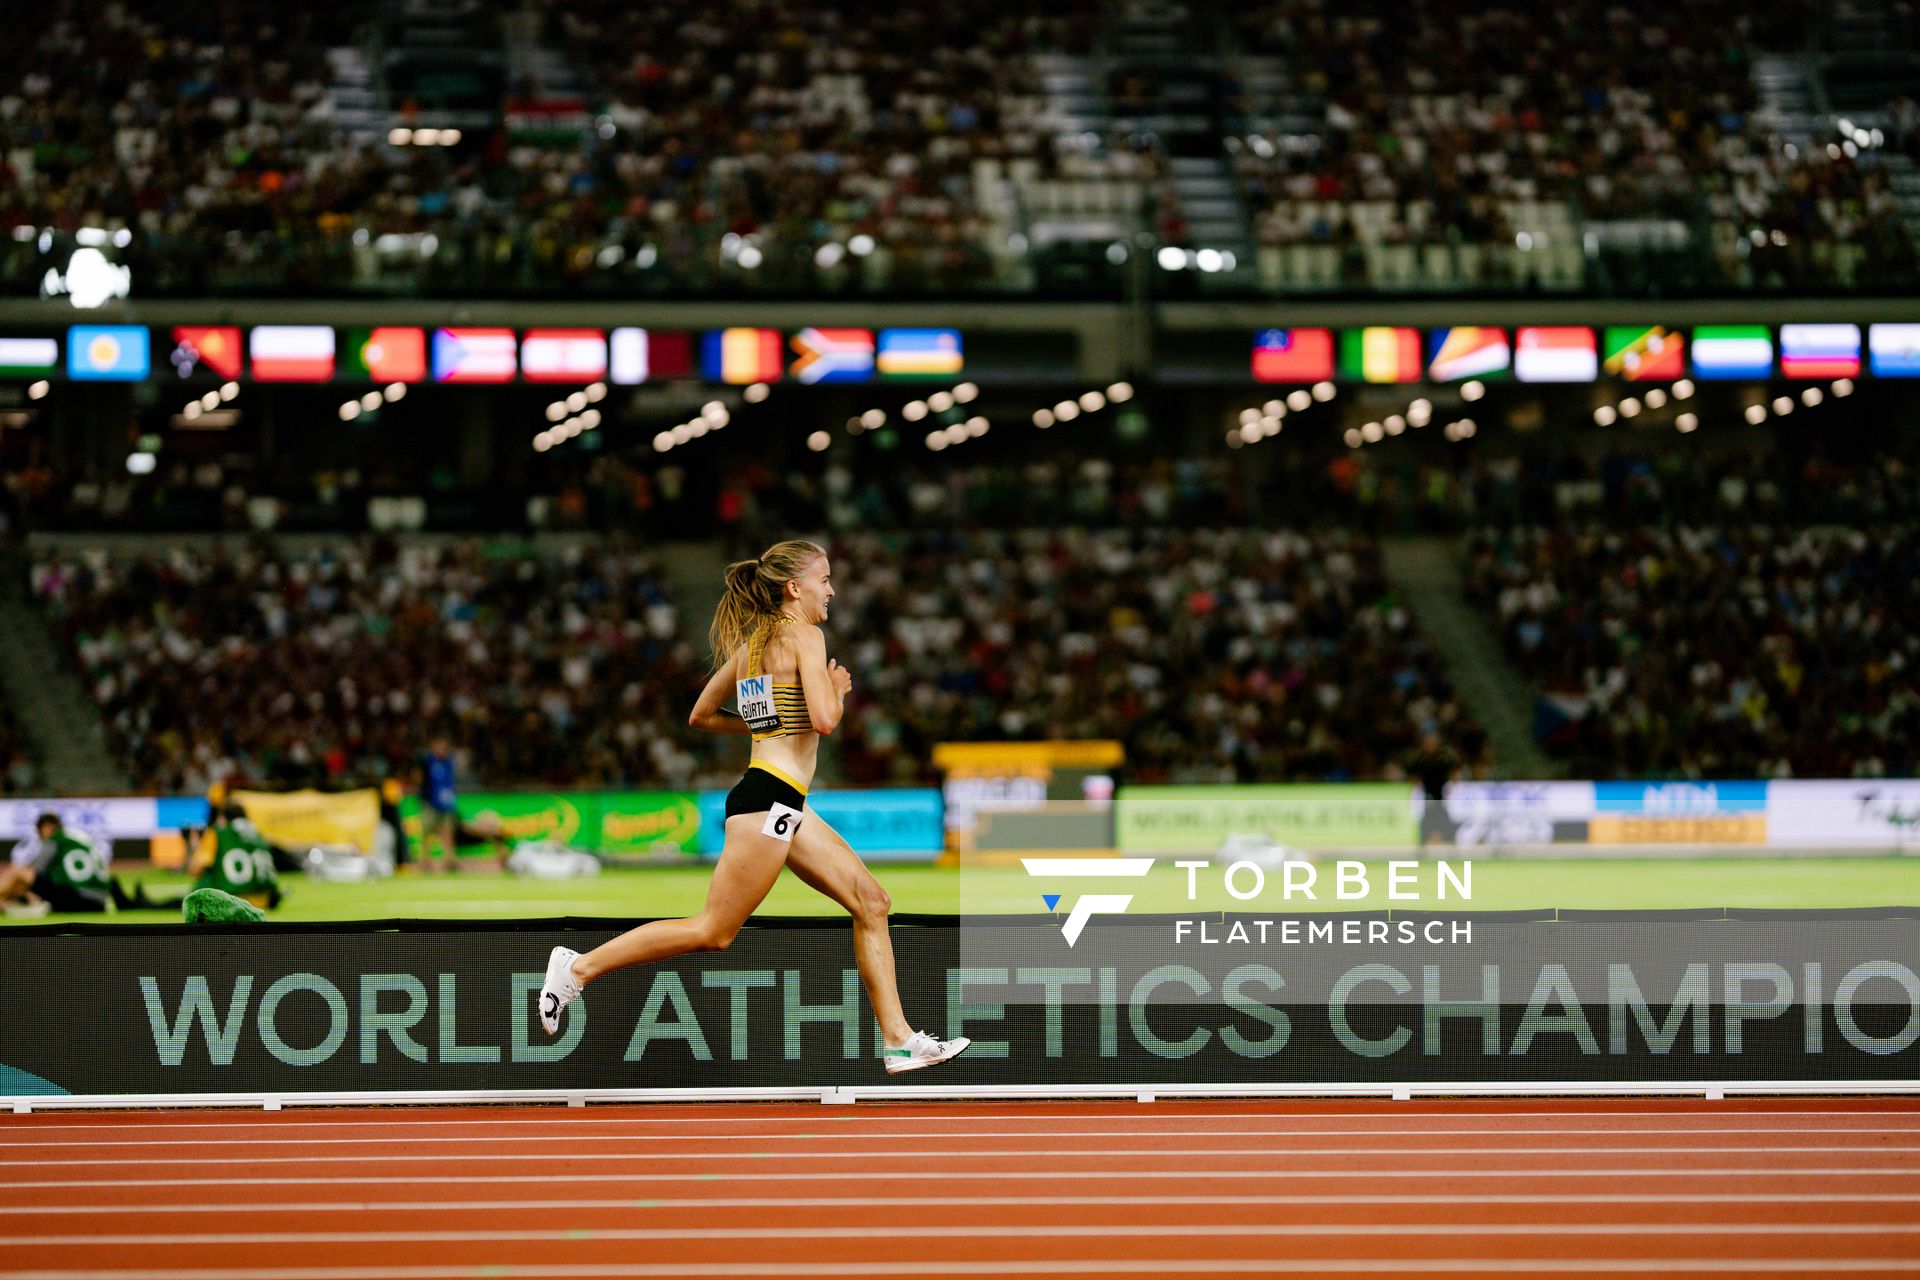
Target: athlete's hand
{"type": "Point", "coordinates": [842, 679]}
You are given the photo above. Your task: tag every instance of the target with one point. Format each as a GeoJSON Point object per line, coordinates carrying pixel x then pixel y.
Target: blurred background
{"type": "Point", "coordinates": [1362, 407]}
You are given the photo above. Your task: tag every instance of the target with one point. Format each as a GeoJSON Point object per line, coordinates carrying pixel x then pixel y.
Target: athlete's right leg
{"type": "Point", "coordinates": [749, 864]}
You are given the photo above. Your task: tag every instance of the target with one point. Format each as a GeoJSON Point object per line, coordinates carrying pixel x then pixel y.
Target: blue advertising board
{"type": "Point", "coordinates": [891, 825]}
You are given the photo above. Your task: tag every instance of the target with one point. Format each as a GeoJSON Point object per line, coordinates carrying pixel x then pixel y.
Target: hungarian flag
{"type": "Point", "coordinates": [1293, 355]}
{"type": "Point", "coordinates": [391, 353]}
{"type": "Point", "coordinates": [1555, 353]}
{"type": "Point", "coordinates": [474, 355]}
{"type": "Point", "coordinates": [215, 349]}
{"type": "Point", "coordinates": [563, 355]}
{"type": "Point", "coordinates": [833, 355]}
{"type": "Point", "coordinates": [292, 353]}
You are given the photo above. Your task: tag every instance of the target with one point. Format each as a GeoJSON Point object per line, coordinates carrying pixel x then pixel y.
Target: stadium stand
{"type": "Point", "coordinates": [18, 773]}
{"type": "Point", "coordinates": [953, 148]}
{"type": "Point", "coordinates": [1212, 654]}
{"type": "Point", "coordinates": [1721, 649]}
{"type": "Point", "coordinates": [1592, 144]}
{"type": "Point", "coordinates": [340, 665]}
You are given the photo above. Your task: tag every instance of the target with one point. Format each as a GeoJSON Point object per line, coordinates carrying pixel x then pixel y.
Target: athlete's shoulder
{"type": "Point", "coordinates": [807, 635]}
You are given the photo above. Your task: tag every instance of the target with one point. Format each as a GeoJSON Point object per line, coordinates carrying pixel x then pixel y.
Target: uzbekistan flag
{"type": "Point", "coordinates": [391, 353]}
{"type": "Point", "coordinates": [1293, 355]}
{"type": "Point", "coordinates": [1471, 352]}
{"type": "Point", "coordinates": [563, 355]}
{"type": "Point", "coordinates": [1555, 353]}
{"type": "Point", "coordinates": [28, 357]}
{"type": "Point", "coordinates": [1644, 354]}
{"type": "Point", "coordinates": [1727, 351]}
{"type": "Point", "coordinates": [474, 355]}
{"type": "Point", "coordinates": [292, 352]}
{"type": "Point", "coordinates": [216, 349]}
{"type": "Point", "coordinates": [1381, 354]}
{"type": "Point", "coordinates": [910, 354]}
{"type": "Point", "coordinates": [1894, 350]}
{"type": "Point", "coordinates": [833, 355]}
{"type": "Point", "coordinates": [740, 356]}
{"type": "Point", "coordinates": [1820, 350]}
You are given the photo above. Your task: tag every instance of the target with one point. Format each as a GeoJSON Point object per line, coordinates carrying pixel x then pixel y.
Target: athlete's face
{"type": "Point", "coordinates": [813, 591]}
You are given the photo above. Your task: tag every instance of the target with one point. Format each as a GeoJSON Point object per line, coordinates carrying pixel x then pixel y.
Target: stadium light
{"type": "Point", "coordinates": [1322, 391]}
{"type": "Point", "coordinates": [371, 401]}
{"type": "Point", "coordinates": [977, 427]}
{"type": "Point", "coordinates": [940, 401]}
{"type": "Point", "coordinates": [965, 393]}
{"type": "Point", "coordinates": [1066, 411]}
{"type": "Point", "coordinates": [860, 246]}
{"type": "Point", "coordinates": [1811, 397]}
{"type": "Point", "coordinates": [1843, 387]}
{"type": "Point", "coordinates": [1656, 398]}
{"type": "Point", "coordinates": [1301, 400]}
{"type": "Point", "coordinates": [1354, 438]}
{"type": "Point", "coordinates": [556, 411]}
{"type": "Point", "coordinates": [874, 419]}
{"type": "Point", "coordinates": [1372, 433]}
{"type": "Point", "coordinates": [39, 390]}
{"type": "Point", "coordinates": [1686, 423]}
{"type": "Point", "coordinates": [756, 392]}
{"type": "Point", "coordinates": [914, 410]}
{"type": "Point", "coordinates": [349, 411]}
{"type": "Point", "coordinates": [595, 392]}
{"type": "Point", "coordinates": [1093, 402]}
{"type": "Point", "coordinates": [819, 441]}
{"type": "Point", "coordinates": [1043, 418]}
{"type": "Point", "coordinates": [1233, 439]}
{"type": "Point", "coordinates": [396, 391]}
{"type": "Point", "coordinates": [229, 390]}
{"type": "Point", "coordinates": [141, 464]}
{"type": "Point", "coordinates": [1471, 391]}
{"type": "Point", "coordinates": [1683, 389]}
{"type": "Point", "coordinates": [1756, 414]}
{"type": "Point", "coordinates": [1604, 416]}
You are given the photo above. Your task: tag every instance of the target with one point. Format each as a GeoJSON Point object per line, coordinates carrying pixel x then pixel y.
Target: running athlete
{"type": "Point", "coordinates": [769, 653]}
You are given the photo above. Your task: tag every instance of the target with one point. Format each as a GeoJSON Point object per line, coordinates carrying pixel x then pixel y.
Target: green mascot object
{"type": "Point", "coordinates": [216, 906]}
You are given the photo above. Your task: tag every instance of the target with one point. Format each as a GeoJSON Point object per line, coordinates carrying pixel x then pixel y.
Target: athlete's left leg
{"type": "Point", "coordinates": [822, 859]}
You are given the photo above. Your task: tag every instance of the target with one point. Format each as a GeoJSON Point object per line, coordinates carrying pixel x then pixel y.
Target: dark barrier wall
{"type": "Point", "coordinates": [292, 1008]}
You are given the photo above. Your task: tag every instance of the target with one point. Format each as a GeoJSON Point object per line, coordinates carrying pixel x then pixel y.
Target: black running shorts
{"type": "Point", "coordinates": [758, 791]}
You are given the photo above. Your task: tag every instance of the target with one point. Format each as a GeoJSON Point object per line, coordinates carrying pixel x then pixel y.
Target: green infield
{"type": "Point", "coordinates": [1497, 884]}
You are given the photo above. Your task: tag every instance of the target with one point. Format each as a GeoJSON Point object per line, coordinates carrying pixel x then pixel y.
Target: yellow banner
{"type": "Point", "coordinates": [1000, 758]}
{"type": "Point", "coordinates": [1718, 829]}
{"type": "Point", "coordinates": [298, 820]}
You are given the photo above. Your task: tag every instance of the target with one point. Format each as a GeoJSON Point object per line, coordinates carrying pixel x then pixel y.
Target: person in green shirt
{"type": "Point", "coordinates": [242, 862]}
{"type": "Point", "coordinates": [58, 870]}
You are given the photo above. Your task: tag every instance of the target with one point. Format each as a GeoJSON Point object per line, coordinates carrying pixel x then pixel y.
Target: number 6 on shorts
{"type": "Point", "coordinates": [782, 822]}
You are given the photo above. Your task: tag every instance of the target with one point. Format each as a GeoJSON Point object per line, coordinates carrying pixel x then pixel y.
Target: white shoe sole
{"type": "Point", "coordinates": [915, 1064]}
{"type": "Point", "coordinates": [552, 986]}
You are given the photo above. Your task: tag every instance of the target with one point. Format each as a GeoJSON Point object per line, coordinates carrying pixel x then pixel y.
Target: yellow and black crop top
{"type": "Point", "coordinates": [770, 710]}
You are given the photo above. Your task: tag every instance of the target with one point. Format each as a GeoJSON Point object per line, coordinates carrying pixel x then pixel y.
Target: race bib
{"type": "Point", "coordinates": [754, 698]}
{"type": "Point", "coordinates": [782, 822]}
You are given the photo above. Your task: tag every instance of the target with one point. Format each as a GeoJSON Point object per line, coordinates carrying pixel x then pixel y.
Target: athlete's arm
{"type": "Point", "coordinates": [824, 683]}
{"type": "Point", "coordinates": [709, 711]}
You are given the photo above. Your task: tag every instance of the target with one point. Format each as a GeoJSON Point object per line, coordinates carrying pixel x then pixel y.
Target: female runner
{"type": "Point", "coordinates": [770, 654]}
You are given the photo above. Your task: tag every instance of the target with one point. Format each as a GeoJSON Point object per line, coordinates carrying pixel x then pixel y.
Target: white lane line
{"type": "Point", "coordinates": [749, 1158]}
{"type": "Point", "coordinates": [910, 1134]}
{"type": "Point", "coordinates": [891, 1111]}
{"type": "Point", "coordinates": [1024, 1267]}
{"type": "Point", "coordinates": [974, 1230]}
{"type": "Point", "coordinates": [866, 1203]}
{"type": "Point", "coordinates": [904, 1173]}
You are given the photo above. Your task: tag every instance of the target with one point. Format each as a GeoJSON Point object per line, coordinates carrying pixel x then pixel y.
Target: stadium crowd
{"type": "Point", "coordinates": [838, 146]}
{"type": "Point", "coordinates": [18, 772]}
{"type": "Point", "coordinates": [1510, 126]}
{"type": "Point", "coordinates": [1237, 655]}
{"type": "Point", "coordinates": [1214, 655]}
{"type": "Point", "coordinates": [1716, 650]}
{"type": "Point", "coordinates": [341, 665]}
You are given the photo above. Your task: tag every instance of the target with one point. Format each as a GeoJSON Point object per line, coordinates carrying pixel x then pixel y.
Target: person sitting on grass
{"type": "Point", "coordinates": [58, 870]}
{"type": "Point", "coordinates": [238, 858]}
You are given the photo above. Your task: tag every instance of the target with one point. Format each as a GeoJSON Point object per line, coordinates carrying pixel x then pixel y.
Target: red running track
{"type": "Point", "coordinates": [1545, 1187]}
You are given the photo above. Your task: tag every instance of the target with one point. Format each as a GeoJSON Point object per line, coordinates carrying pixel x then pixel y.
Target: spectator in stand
{"type": "Point", "coordinates": [1716, 651]}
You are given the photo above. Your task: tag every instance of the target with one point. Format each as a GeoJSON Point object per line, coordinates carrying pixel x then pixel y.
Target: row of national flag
{"type": "Point", "coordinates": [464, 354]}
{"type": "Point", "coordinates": [1575, 353]}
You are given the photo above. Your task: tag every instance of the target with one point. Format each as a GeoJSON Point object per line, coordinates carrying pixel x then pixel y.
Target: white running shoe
{"type": "Point", "coordinates": [560, 989]}
{"type": "Point", "coordinates": [922, 1050]}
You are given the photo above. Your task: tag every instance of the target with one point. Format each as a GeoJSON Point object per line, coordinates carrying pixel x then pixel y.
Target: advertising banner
{"type": "Point", "coordinates": [302, 819]}
{"type": "Point", "coordinates": [1198, 819]}
{"type": "Point", "coordinates": [1867, 813]}
{"type": "Point", "coordinates": [611, 822]}
{"type": "Point", "coordinates": [891, 825]}
{"type": "Point", "coordinates": [1347, 998]}
{"type": "Point", "coordinates": [1508, 813]}
{"type": "Point", "coordinates": [105, 817]}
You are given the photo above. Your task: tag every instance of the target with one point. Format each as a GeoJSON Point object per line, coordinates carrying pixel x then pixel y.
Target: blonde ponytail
{"type": "Point", "coordinates": [755, 592]}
